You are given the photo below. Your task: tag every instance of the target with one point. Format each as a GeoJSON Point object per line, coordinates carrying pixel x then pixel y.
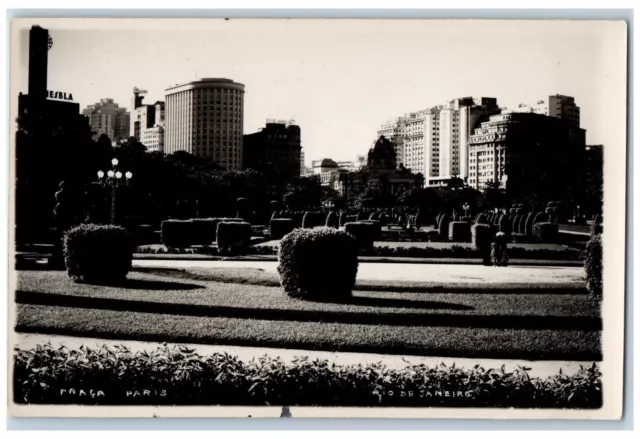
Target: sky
{"type": "Point", "coordinates": [339, 79]}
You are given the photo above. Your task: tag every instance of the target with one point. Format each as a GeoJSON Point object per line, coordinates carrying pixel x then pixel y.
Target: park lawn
{"type": "Point", "coordinates": [575, 345]}
{"type": "Point", "coordinates": [256, 276]}
{"type": "Point", "coordinates": [217, 298]}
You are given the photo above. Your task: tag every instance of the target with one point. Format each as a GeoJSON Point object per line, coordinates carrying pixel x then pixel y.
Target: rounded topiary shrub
{"type": "Point", "coordinates": [521, 224]}
{"type": "Point", "coordinates": [515, 220]}
{"type": "Point", "coordinates": [528, 224]}
{"type": "Point", "coordinates": [549, 210]}
{"type": "Point", "coordinates": [519, 210]}
{"type": "Point", "coordinates": [460, 231]}
{"type": "Point", "coordinates": [98, 253]}
{"type": "Point", "coordinates": [505, 224]}
{"type": "Point", "coordinates": [278, 227]}
{"type": "Point", "coordinates": [545, 232]}
{"type": "Point", "coordinates": [496, 219]}
{"type": "Point", "coordinates": [512, 211]}
{"type": "Point", "coordinates": [233, 236]}
{"type": "Point", "coordinates": [332, 220]}
{"type": "Point", "coordinates": [342, 219]}
{"type": "Point", "coordinates": [363, 232]}
{"type": "Point", "coordinates": [593, 266]}
{"type": "Point", "coordinates": [318, 264]}
{"type": "Point", "coordinates": [361, 216]}
{"type": "Point", "coordinates": [373, 216]}
{"type": "Point", "coordinates": [313, 219]}
{"type": "Point", "coordinates": [481, 235]}
{"type": "Point", "coordinates": [540, 217]}
{"type": "Point", "coordinates": [443, 227]}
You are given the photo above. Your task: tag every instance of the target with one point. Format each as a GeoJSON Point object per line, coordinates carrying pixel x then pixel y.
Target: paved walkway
{"type": "Point", "coordinates": [454, 273]}
{"type": "Point", "coordinates": [539, 369]}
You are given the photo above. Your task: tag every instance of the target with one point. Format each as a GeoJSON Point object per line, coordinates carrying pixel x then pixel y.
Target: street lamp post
{"type": "Point", "coordinates": [465, 206]}
{"type": "Point", "coordinates": [113, 179]}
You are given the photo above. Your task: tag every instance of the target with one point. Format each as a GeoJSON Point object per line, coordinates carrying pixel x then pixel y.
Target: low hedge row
{"type": "Point", "coordinates": [175, 375]}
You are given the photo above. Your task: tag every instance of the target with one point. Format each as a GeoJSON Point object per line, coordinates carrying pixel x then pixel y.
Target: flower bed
{"type": "Point", "coordinates": [180, 376]}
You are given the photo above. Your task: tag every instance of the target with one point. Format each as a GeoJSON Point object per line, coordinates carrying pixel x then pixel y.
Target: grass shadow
{"type": "Point", "coordinates": [361, 317]}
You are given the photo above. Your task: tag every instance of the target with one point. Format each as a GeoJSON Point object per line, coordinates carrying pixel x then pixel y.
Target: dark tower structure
{"type": "Point", "coordinates": [39, 44]}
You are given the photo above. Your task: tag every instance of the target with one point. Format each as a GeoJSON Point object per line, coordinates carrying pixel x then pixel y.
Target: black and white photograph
{"type": "Point", "coordinates": [317, 218]}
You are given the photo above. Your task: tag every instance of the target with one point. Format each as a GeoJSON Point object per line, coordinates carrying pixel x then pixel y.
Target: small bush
{"type": "Point", "coordinates": [443, 226]}
{"type": "Point", "coordinates": [373, 216]}
{"type": "Point", "coordinates": [593, 264]}
{"type": "Point", "coordinates": [361, 216]}
{"type": "Point", "coordinates": [364, 233]}
{"type": "Point", "coordinates": [278, 227]}
{"type": "Point", "coordinates": [515, 220]}
{"type": "Point", "coordinates": [496, 219]}
{"type": "Point", "coordinates": [549, 210]}
{"type": "Point", "coordinates": [98, 253]}
{"type": "Point", "coordinates": [233, 235]}
{"type": "Point", "coordinates": [342, 219]}
{"type": "Point", "coordinates": [313, 219]}
{"type": "Point", "coordinates": [332, 220]}
{"type": "Point", "coordinates": [319, 263]}
{"type": "Point", "coordinates": [460, 231]}
{"type": "Point", "coordinates": [545, 232]}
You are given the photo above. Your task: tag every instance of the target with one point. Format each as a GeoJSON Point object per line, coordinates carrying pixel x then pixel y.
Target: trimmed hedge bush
{"type": "Point", "coordinates": [540, 217]}
{"type": "Point", "coordinates": [278, 227]}
{"type": "Point", "coordinates": [593, 264]}
{"type": "Point", "coordinates": [188, 378]}
{"type": "Point", "coordinates": [528, 224]}
{"type": "Point", "coordinates": [460, 231]}
{"type": "Point", "coordinates": [342, 219]}
{"type": "Point", "coordinates": [185, 233]}
{"type": "Point", "coordinates": [363, 232]}
{"type": "Point", "coordinates": [373, 216]}
{"type": "Point", "coordinates": [332, 220]}
{"type": "Point", "coordinates": [545, 232]}
{"type": "Point", "coordinates": [313, 219]}
{"type": "Point", "coordinates": [233, 235]}
{"type": "Point", "coordinates": [505, 224]}
{"type": "Point", "coordinates": [377, 227]}
{"type": "Point", "coordinates": [361, 216]}
{"type": "Point", "coordinates": [481, 235]}
{"type": "Point", "coordinates": [443, 226]}
{"type": "Point", "coordinates": [320, 263]}
{"type": "Point", "coordinates": [195, 231]}
{"type": "Point", "coordinates": [98, 253]}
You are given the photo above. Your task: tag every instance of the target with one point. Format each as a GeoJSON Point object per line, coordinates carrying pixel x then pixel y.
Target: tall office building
{"type": "Point", "coordinates": [393, 130]}
{"type": "Point", "coordinates": [512, 148]}
{"type": "Point", "coordinates": [206, 118]}
{"type": "Point", "coordinates": [153, 137]}
{"type": "Point", "coordinates": [274, 149]}
{"type": "Point", "coordinates": [106, 117]}
{"type": "Point", "coordinates": [434, 142]}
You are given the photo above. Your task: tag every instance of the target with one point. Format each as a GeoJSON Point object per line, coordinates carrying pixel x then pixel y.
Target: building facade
{"type": "Point", "coordinates": [153, 137]}
{"type": "Point", "coordinates": [434, 142]}
{"type": "Point", "coordinates": [206, 119]}
{"type": "Point", "coordinates": [394, 131]}
{"type": "Point", "coordinates": [106, 117]}
{"type": "Point", "coordinates": [520, 148]}
{"type": "Point", "coordinates": [274, 149]}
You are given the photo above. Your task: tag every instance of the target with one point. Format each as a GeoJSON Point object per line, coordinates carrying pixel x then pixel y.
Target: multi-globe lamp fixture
{"type": "Point", "coordinates": [113, 179]}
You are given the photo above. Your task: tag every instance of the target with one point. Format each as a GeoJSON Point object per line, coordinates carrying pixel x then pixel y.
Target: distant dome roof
{"type": "Point", "coordinates": [383, 144]}
{"type": "Point", "coordinates": [328, 163]}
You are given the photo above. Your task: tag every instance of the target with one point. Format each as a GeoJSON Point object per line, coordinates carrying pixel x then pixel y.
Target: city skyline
{"type": "Point", "coordinates": [292, 70]}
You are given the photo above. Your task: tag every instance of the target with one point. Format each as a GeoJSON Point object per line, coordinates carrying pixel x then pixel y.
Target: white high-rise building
{"type": "Point", "coordinates": [206, 118]}
{"type": "Point", "coordinates": [394, 131]}
{"type": "Point", "coordinates": [435, 141]}
{"type": "Point", "coordinates": [106, 117]}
